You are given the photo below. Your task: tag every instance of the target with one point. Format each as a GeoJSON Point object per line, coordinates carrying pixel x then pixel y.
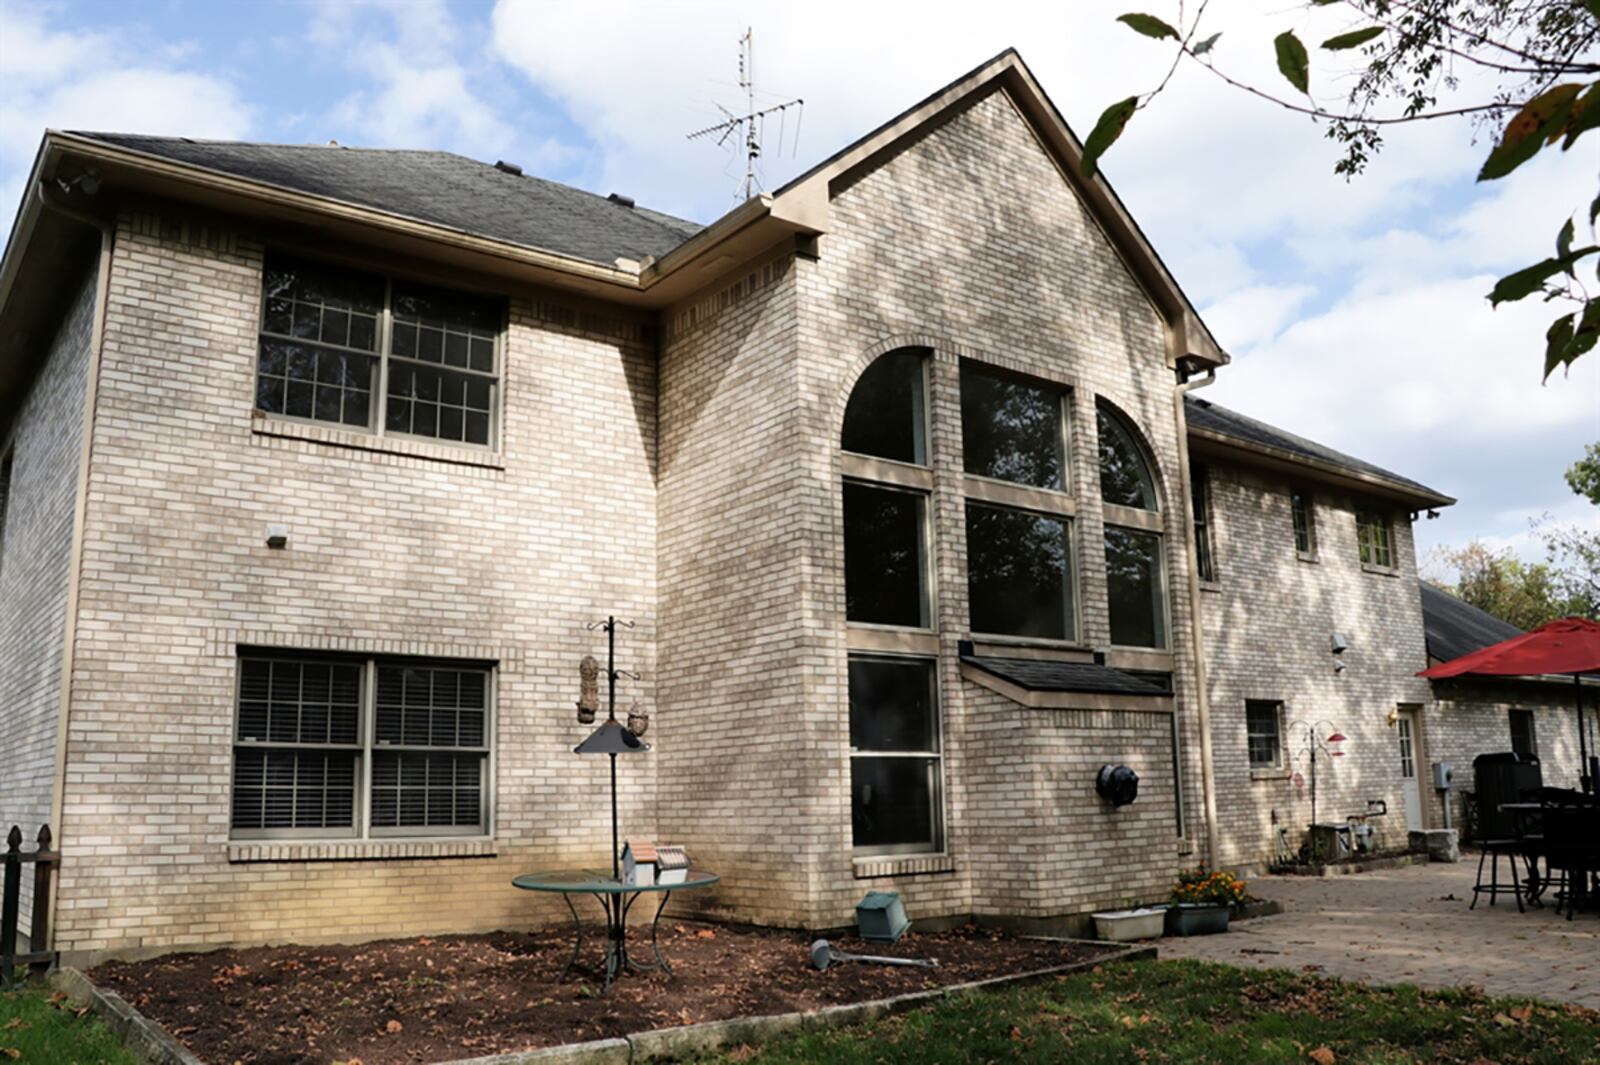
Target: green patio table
{"type": "Point", "coordinates": [616, 897]}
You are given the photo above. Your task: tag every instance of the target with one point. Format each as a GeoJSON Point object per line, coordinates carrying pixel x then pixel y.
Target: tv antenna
{"type": "Point", "coordinates": [750, 126]}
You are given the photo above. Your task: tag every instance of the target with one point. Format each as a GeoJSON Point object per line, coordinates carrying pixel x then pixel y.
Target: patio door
{"type": "Point", "coordinates": [1410, 790]}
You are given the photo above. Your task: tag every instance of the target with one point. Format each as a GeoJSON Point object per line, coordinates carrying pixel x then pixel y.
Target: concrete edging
{"type": "Point", "coordinates": [145, 1040]}
{"type": "Point", "coordinates": [152, 1044]}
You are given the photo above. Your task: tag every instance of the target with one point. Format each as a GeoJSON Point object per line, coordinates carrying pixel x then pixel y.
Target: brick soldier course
{"type": "Point", "coordinates": [666, 449]}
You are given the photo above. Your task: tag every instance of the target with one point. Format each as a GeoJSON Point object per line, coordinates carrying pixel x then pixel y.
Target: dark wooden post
{"type": "Point", "coordinates": [39, 934]}
{"type": "Point", "coordinates": [10, 902]}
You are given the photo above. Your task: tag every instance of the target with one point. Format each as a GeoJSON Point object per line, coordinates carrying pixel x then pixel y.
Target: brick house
{"type": "Point", "coordinates": [318, 461]}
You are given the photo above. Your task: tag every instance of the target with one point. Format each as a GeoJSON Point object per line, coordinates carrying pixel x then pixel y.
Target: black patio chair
{"type": "Point", "coordinates": [1572, 848]}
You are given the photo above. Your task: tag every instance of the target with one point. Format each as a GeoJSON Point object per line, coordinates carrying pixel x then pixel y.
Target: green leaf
{"type": "Point", "coordinates": [1594, 210]}
{"type": "Point", "coordinates": [1557, 340]}
{"type": "Point", "coordinates": [1352, 39]}
{"type": "Point", "coordinates": [1293, 63]}
{"type": "Point", "coordinates": [1148, 25]}
{"type": "Point", "coordinates": [1531, 279]}
{"type": "Point", "coordinates": [1537, 123]}
{"type": "Point", "coordinates": [1105, 133]}
{"type": "Point", "coordinates": [1564, 243]}
{"type": "Point", "coordinates": [1202, 47]}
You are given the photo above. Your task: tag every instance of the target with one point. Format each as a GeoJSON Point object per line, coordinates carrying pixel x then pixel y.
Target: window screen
{"type": "Point", "coordinates": [1012, 429]}
{"type": "Point", "coordinates": [1019, 573]}
{"type": "Point", "coordinates": [885, 558]}
{"type": "Point", "coordinates": [1263, 722]}
{"type": "Point", "coordinates": [895, 773]}
{"type": "Point", "coordinates": [1135, 590]}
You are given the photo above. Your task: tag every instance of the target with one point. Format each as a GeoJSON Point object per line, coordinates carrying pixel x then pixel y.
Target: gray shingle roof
{"type": "Point", "coordinates": [1040, 675]}
{"type": "Point", "coordinates": [442, 188]}
{"type": "Point", "coordinates": [1206, 415]}
{"type": "Point", "coordinates": [1455, 628]}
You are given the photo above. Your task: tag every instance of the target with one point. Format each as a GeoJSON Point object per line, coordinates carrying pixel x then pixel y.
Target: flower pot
{"type": "Point", "coordinates": [1120, 926]}
{"type": "Point", "coordinates": [1197, 918]}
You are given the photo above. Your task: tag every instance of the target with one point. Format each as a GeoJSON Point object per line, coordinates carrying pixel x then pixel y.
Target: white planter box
{"type": "Point", "coordinates": [1120, 926]}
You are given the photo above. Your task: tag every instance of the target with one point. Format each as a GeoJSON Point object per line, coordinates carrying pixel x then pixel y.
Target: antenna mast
{"type": "Point", "coordinates": [748, 126]}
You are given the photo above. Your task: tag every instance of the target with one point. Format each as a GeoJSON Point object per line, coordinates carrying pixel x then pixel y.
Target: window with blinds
{"type": "Point", "coordinates": [350, 747]}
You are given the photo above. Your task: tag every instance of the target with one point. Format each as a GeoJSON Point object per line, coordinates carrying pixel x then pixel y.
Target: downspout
{"type": "Point", "coordinates": [49, 201]}
{"type": "Point", "coordinates": [1208, 783]}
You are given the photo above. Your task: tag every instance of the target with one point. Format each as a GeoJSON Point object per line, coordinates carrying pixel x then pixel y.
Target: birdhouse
{"type": "Point", "coordinates": [672, 865]}
{"type": "Point", "coordinates": [640, 862]}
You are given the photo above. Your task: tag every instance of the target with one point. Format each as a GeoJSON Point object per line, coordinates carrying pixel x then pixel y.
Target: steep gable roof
{"type": "Point", "coordinates": [439, 187]}
{"type": "Point", "coordinates": [804, 200]}
{"type": "Point", "coordinates": [1207, 419]}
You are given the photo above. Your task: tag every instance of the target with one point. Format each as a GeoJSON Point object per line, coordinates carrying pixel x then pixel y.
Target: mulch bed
{"type": "Point", "coordinates": [430, 1000]}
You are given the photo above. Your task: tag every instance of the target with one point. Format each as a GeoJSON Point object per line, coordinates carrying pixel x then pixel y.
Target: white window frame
{"type": "Point", "coordinates": [362, 829]}
{"type": "Point", "coordinates": [378, 410]}
{"type": "Point", "coordinates": [1387, 524]}
{"type": "Point", "coordinates": [938, 844]}
{"type": "Point", "coordinates": [1309, 509]}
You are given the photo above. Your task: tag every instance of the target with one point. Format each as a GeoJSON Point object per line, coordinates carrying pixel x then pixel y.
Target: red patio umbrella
{"type": "Point", "coordinates": [1568, 646]}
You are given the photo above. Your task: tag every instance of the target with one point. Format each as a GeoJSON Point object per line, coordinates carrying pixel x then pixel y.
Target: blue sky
{"type": "Point", "coordinates": [1354, 310]}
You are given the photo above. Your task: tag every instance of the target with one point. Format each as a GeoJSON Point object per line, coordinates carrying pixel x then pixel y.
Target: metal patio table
{"type": "Point", "coordinates": [616, 898]}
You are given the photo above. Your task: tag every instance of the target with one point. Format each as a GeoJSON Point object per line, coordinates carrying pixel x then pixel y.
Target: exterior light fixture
{"type": "Point", "coordinates": [277, 536]}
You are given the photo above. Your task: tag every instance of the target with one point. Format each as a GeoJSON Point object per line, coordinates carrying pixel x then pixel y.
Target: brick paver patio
{"type": "Point", "coordinates": [1412, 926]}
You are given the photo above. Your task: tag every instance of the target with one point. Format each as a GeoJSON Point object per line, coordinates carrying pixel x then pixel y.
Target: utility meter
{"type": "Point", "coordinates": [1442, 772]}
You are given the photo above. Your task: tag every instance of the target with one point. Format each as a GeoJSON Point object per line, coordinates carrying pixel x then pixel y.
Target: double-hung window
{"type": "Point", "coordinates": [1200, 500]}
{"type": "Point", "coordinates": [1020, 566]}
{"type": "Point", "coordinates": [1264, 733]}
{"type": "Point", "coordinates": [896, 771]}
{"type": "Point", "coordinates": [1373, 539]}
{"type": "Point", "coordinates": [1523, 740]}
{"type": "Point", "coordinates": [1304, 516]}
{"type": "Point", "coordinates": [379, 355]}
{"type": "Point", "coordinates": [1136, 589]}
{"type": "Point", "coordinates": [344, 747]}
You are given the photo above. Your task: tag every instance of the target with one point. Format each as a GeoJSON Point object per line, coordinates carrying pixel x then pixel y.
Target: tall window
{"type": "Point", "coordinates": [886, 544]}
{"type": "Point", "coordinates": [1200, 500]}
{"type": "Point", "coordinates": [5, 500]}
{"type": "Point", "coordinates": [1304, 517]}
{"type": "Point", "coordinates": [348, 747]}
{"type": "Point", "coordinates": [380, 355]}
{"type": "Point", "coordinates": [1019, 538]}
{"type": "Point", "coordinates": [1263, 722]}
{"type": "Point", "coordinates": [895, 772]}
{"type": "Point", "coordinates": [1373, 539]}
{"type": "Point", "coordinates": [1135, 562]}
{"type": "Point", "coordinates": [1523, 740]}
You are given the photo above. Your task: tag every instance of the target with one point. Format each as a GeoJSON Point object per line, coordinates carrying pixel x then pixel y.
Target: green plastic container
{"type": "Point", "coordinates": [881, 918]}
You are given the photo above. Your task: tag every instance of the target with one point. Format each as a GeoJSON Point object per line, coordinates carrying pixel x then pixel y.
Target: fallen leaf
{"type": "Point", "coordinates": [1503, 1021]}
{"type": "Point", "coordinates": [14, 1023]}
{"type": "Point", "coordinates": [1322, 1056]}
{"type": "Point", "coordinates": [1522, 1013]}
{"type": "Point", "coordinates": [394, 1027]}
{"type": "Point", "coordinates": [1016, 1033]}
{"type": "Point", "coordinates": [11, 1052]}
{"type": "Point", "coordinates": [705, 933]}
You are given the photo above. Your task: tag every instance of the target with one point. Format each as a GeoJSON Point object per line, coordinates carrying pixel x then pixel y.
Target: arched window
{"type": "Point", "coordinates": [896, 802]}
{"type": "Point", "coordinates": [1136, 591]}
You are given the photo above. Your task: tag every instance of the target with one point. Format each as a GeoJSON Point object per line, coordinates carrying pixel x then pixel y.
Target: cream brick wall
{"type": "Point", "coordinates": [1269, 624]}
{"type": "Point", "coordinates": [933, 247]}
{"type": "Point", "coordinates": [45, 441]}
{"type": "Point", "coordinates": [391, 551]}
{"type": "Point", "coordinates": [1473, 718]}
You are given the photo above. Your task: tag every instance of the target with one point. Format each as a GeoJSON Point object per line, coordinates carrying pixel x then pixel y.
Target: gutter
{"type": "Point", "coordinates": [49, 201]}
{"type": "Point", "coordinates": [1208, 780]}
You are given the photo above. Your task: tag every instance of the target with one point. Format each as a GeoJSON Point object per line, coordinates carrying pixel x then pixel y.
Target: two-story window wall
{"type": "Point", "coordinates": [1136, 589]}
{"type": "Point", "coordinates": [380, 355]}
{"type": "Point", "coordinates": [896, 770]}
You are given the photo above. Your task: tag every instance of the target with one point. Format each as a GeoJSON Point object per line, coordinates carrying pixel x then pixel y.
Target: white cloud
{"type": "Point", "coordinates": [54, 79]}
{"type": "Point", "coordinates": [412, 53]}
{"type": "Point", "coordinates": [1249, 316]}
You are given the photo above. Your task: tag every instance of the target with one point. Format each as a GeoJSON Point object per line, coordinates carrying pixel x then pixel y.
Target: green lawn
{"type": "Point", "coordinates": [1196, 1012]}
{"type": "Point", "coordinates": [39, 1030]}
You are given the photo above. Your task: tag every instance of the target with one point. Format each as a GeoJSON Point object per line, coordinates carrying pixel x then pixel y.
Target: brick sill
{"type": "Point", "coordinates": [902, 865]}
{"type": "Point", "coordinates": [1381, 571]}
{"type": "Point", "coordinates": [1269, 774]}
{"type": "Point", "coordinates": [1211, 586]}
{"type": "Point", "coordinates": [356, 850]}
{"type": "Point", "coordinates": [387, 445]}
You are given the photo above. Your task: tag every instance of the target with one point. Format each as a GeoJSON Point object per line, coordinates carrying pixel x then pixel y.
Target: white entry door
{"type": "Point", "coordinates": [1409, 788]}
